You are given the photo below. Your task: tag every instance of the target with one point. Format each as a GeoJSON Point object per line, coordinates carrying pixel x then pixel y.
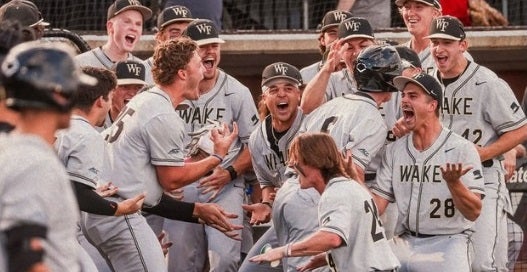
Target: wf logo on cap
{"type": "Point", "coordinates": [441, 24]}
{"type": "Point", "coordinates": [180, 11]}
{"type": "Point", "coordinates": [352, 25]}
{"type": "Point", "coordinates": [280, 68]}
{"type": "Point", "coordinates": [204, 28]}
{"type": "Point", "coordinates": [134, 69]}
{"type": "Point", "coordinates": [134, 2]}
{"type": "Point", "coordinates": [340, 16]}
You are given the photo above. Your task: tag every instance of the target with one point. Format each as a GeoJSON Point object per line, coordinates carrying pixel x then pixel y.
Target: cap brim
{"type": "Point", "coordinates": [41, 22]}
{"type": "Point", "coordinates": [188, 20]}
{"type": "Point", "coordinates": [443, 36]}
{"type": "Point", "coordinates": [209, 41]}
{"type": "Point", "coordinates": [87, 79]}
{"type": "Point", "coordinates": [270, 80]}
{"type": "Point", "coordinates": [354, 36]}
{"type": "Point", "coordinates": [400, 3]}
{"type": "Point", "coordinates": [324, 28]}
{"type": "Point", "coordinates": [401, 81]}
{"type": "Point", "coordinates": [146, 12]}
{"type": "Point", "coordinates": [130, 81]}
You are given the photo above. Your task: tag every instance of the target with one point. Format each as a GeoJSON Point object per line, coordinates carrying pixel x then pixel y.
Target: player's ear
{"type": "Point", "coordinates": [182, 73]}
{"type": "Point", "coordinates": [464, 45]}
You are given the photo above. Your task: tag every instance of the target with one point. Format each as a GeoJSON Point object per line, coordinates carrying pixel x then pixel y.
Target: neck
{"type": "Point", "coordinates": [175, 93]}
{"type": "Point", "coordinates": [458, 69]}
{"type": "Point", "coordinates": [419, 43]}
{"type": "Point", "coordinates": [281, 126]}
{"type": "Point", "coordinates": [90, 116]}
{"type": "Point", "coordinates": [114, 53]}
{"type": "Point", "coordinates": [207, 84]}
{"type": "Point", "coordinates": [425, 136]}
{"type": "Point", "coordinates": [114, 113]}
{"type": "Point", "coordinates": [40, 123]}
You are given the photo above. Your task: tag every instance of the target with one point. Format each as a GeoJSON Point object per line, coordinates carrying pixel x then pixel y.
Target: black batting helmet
{"type": "Point", "coordinates": [376, 67]}
{"type": "Point", "coordinates": [41, 76]}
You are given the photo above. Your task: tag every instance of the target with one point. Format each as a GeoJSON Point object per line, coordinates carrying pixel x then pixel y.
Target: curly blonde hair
{"type": "Point", "coordinates": [170, 57]}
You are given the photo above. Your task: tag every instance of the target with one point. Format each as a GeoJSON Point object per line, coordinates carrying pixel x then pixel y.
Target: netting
{"type": "Point", "coordinates": [90, 15]}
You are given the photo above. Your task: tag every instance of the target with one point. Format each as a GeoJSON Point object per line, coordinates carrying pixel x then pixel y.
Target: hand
{"type": "Point", "coordinates": [213, 215]}
{"type": "Point", "coordinates": [520, 151]}
{"type": "Point", "coordinates": [214, 182]}
{"type": "Point", "coordinates": [452, 172]}
{"type": "Point", "coordinates": [106, 190]}
{"type": "Point", "coordinates": [336, 51]}
{"type": "Point", "coordinates": [400, 129]}
{"type": "Point", "coordinates": [260, 213]}
{"type": "Point", "coordinates": [349, 166]}
{"type": "Point", "coordinates": [164, 246]}
{"type": "Point", "coordinates": [131, 205]}
{"type": "Point", "coordinates": [314, 263]}
{"type": "Point", "coordinates": [270, 256]}
{"type": "Point", "coordinates": [177, 194]}
{"type": "Point", "coordinates": [509, 163]}
{"type": "Point", "coordinates": [223, 138]}
{"type": "Point", "coordinates": [36, 246]}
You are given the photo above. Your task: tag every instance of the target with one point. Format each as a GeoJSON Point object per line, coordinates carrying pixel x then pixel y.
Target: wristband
{"type": "Point", "coordinates": [232, 172]}
{"type": "Point", "coordinates": [287, 250]}
{"type": "Point", "coordinates": [268, 204]}
{"type": "Point", "coordinates": [217, 157]}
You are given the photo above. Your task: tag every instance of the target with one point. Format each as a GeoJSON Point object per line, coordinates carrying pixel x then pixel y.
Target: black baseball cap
{"type": "Point", "coordinates": [447, 27]}
{"type": "Point", "coordinates": [432, 3]}
{"type": "Point", "coordinates": [333, 18]}
{"type": "Point", "coordinates": [130, 72]}
{"type": "Point", "coordinates": [427, 82]}
{"type": "Point", "coordinates": [355, 27]}
{"type": "Point", "coordinates": [281, 70]}
{"type": "Point", "coordinates": [120, 6]}
{"type": "Point", "coordinates": [173, 14]}
{"type": "Point", "coordinates": [203, 31]}
{"type": "Point", "coordinates": [409, 55]}
{"type": "Point", "coordinates": [23, 11]}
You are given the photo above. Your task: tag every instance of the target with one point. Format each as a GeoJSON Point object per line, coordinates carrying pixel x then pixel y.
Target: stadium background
{"type": "Point", "coordinates": [265, 31]}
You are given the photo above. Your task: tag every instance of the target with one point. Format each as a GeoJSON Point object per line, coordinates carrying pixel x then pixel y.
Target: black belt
{"type": "Point", "coordinates": [389, 270]}
{"type": "Point", "coordinates": [488, 163]}
{"type": "Point", "coordinates": [419, 235]}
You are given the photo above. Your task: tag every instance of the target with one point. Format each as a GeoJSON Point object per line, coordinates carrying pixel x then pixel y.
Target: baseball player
{"type": "Point", "coordinates": [31, 209]}
{"type": "Point", "coordinates": [435, 178]}
{"type": "Point", "coordinates": [269, 146]}
{"type": "Point", "coordinates": [124, 26]}
{"type": "Point", "coordinates": [328, 34]}
{"type": "Point", "coordinates": [417, 16]}
{"type": "Point", "coordinates": [83, 152]}
{"type": "Point", "coordinates": [171, 23]}
{"type": "Point", "coordinates": [493, 127]}
{"type": "Point", "coordinates": [221, 98]}
{"type": "Point", "coordinates": [344, 211]}
{"type": "Point", "coordinates": [145, 158]}
{"type": "Point", "coordinates": [354, 35]}
{"type": "Point", "coordinates": [354, 120]}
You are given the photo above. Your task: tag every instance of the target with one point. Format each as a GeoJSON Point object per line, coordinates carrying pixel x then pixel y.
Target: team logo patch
{"type": "Point", "coordinates": [363, 151]}
{"type": "Point", "coordinates": [477, 174]}
{"type": "Point", "coordinates": [94, 170]}
{"type": "Point", "coordinates": [326, 220]}
{"type": "Point", "coordinates": [514, 107]}
{"type": "Point", "coordinates": [174, 151]}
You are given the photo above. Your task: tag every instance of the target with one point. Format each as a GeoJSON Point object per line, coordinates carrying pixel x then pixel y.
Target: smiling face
{"type": "Point", "coordinates": [282, 98]}
{"type": "Point", "coordinates": [125, 29]}
{"type": "Point", "coordinates": [123, 94]}
{"type": "Point", "coordinates": [171, 31]}
{"type": "Point", "coordinates": [418, 17]}
{"type": "Point", "coordinates": [416, 106]}
{"type": "Point", "coordinates": [448, 56]}
{"type": "Point", "coordinates": [210, 55]}
{"type": "Point", "coordinates": [355, 46]}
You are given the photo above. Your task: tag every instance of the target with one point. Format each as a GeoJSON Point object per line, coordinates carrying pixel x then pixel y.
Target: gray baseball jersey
{"type": "Point", "coordinates": [269, 166]}
{"type": "Point", "coordinates": [138, 141]}
{"type": "Point", "coordinates": [340, 83]}
{"type": "Point", "coordinates": [84, 153]}
{"type": "Point", "coordinates": [347, 209]}
{"type": "Point", "coordinates": [310, 71]}
{"type": "Point", "coordinates": [97, 58]}
{"type": "Point", "coordinates": [413, 179]}
{"type": "Point", "coordinates": [149, 62]}
{"type": "Point", "coordinates": [228, 101]}
{"type": "Point", "coordinates": [355, 124]}
{"type": "Point", "coordinates": [34, 188]}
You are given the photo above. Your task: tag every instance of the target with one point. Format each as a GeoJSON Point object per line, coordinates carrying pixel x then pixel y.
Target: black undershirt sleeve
{"type": "Point", "coordinates": [21, 251]}
{"type": "Point", "coordinates": [91, 202]}
{"type": "Point", "coordinates": [173, 209]}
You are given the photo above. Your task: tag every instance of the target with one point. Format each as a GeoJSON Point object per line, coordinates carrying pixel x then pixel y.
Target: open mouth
{"type": "Point", "coordinates": [441, 59]}
{"type": "Point", "coordinates": [208, 63]}
{"type": "Point", "coordinates": [408, 114]}
{"type": "Point", "coordinates": [282, 106]}
{"type": "Point", "coordinates": [130, 38]}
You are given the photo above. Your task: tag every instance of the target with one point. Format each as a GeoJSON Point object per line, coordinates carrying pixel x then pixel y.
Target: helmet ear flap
{"type": "Point", "coordinates": [376, 67]}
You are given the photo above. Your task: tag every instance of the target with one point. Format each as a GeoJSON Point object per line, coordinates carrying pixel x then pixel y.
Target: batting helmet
{"type": "Point", "coordinates": [376, 67]}
{"type": "Point", "coordinates": [42, 76]}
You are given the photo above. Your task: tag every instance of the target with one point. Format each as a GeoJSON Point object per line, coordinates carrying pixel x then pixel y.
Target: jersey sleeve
{"type": "Point", "coordinates": [504, 113]}
{"type": "Point", "coordinates": [382, 186]}
{"type": "Point", "coordinates": [367, 137]}
{"type": "Point", "coordinates": [473, 179]}
{"type": "Point", "coordinates": [164, 136]}
{"type": "Point", "coordinates": [335, 213]}
{"type": "Point", "coordinates": [257, 160]}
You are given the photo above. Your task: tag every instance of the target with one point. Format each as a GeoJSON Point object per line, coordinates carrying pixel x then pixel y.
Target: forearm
{"type": "Point", "coordinates": [505, 142]}
{"type": "Point", "coordinates": [174, 177]}
{"type": "Point", "coordinates": [467, 202]}
{"type": "Point", "coordinates": [91, 202]}
{"type": "Point", "coordinates": [345, 5]}
{"type": "Point", "coordinates": [315, 91]}
{"type": "Point", "coordinates": [243, 161]}
{"type": "Point", "coordinates": [318, 242]}
{"type": "Point", "coordinates": [174, 209]}
{"type": "Point", "coordinates": [267, 194]}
